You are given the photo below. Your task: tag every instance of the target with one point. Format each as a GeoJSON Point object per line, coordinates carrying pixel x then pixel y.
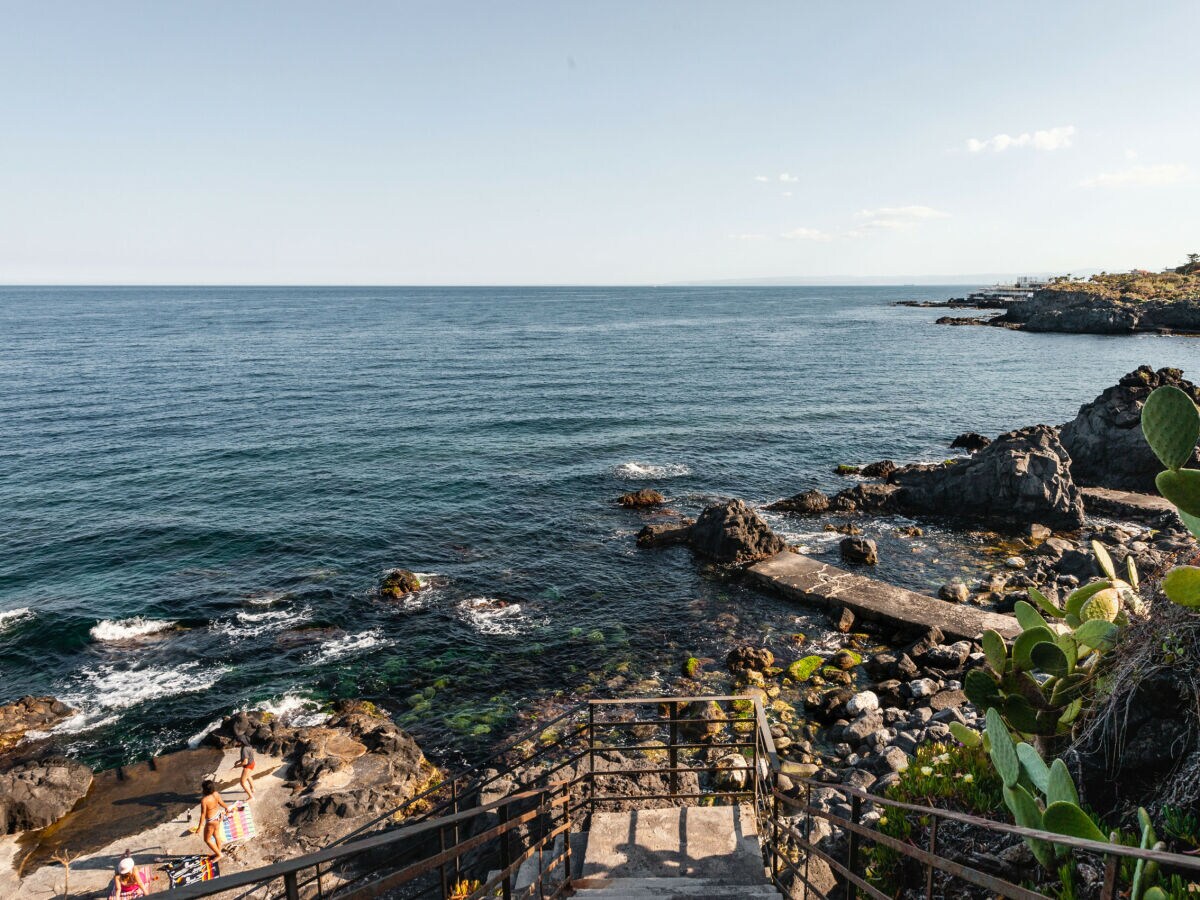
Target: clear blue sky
{"type": "Point", "coordinates": [603, 142]}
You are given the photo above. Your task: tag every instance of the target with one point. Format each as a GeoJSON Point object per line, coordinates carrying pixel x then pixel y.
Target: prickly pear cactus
{"type": "Point", "coordinates": [1171, 424]}
{"type": "Point", "coordinates": [1103, 605]}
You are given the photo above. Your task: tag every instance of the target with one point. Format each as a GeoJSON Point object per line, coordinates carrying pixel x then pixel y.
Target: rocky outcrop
{"type": "Point", "coordinates": [356, 763]}
{"type": "Point", "coordinates": [809, 503]}
{"type": "Point", "coordinates": [1105, 439]}
{"type": "Point", "coordinates": [29, 714]}
{"type": "Point", "coordinates": [1022, 476]}
{"type": "Point", "coordinates": [398, 583]}
{"type": "Point", "coordinates": [1086, 312]}
{"type": "Point", "coordinates": [643, 499]}
{"type": "Point", "coordinates": [862, 551]}
{"type": "Point", "coordinates": [731, 532]}
{"type": "Point", "coordinates": [871, 498]}
{"type": "Point", "coordinates": [37, 793]}
{"type": "Point", "coordinates": [665, 534]}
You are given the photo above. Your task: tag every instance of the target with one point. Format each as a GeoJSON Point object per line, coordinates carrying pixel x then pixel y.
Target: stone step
{"type": "Point", "coordinates": [717, 843]}
{"type": "Point", "coordinates": [638, 888]}
{"type": "Point", "coordinates": [811, 581]}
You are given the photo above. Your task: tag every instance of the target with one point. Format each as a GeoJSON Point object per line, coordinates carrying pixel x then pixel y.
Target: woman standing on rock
{"type": "Point", "coordinates": [212, 810]}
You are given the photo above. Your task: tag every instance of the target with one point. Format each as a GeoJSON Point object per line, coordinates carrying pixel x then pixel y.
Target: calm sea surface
{"type": "Point", "coordinates": [200, 488]}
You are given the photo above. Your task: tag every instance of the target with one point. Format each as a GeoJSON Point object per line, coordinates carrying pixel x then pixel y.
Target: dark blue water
{"type": "Point", "coordinates": [236, 467]}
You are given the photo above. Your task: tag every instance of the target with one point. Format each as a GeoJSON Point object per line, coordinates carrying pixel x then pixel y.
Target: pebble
{"type": "Point", "coordinates": [922, 687]}
{"type": "Point", "coordinates": [1015, 562]}
{"type": "Point", "coordinates": [861, 703]}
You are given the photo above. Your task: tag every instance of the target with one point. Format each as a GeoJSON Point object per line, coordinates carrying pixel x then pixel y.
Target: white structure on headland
{"type": "Point", "coordinates": [1022, 289]}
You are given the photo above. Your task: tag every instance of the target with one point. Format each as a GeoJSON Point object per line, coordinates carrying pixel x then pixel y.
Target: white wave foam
{"type": "Point", "coordinates": [106, 689]}
{"type": "Point", "coordinates": [637, 471]}
{"type": "Point", "coordinates": [251, 624]}
{"type": "Point", "coordinates": [291, 709]}
{"type": "Point", "coordinates": [489, 616]}
{"type": "Point", "coordinates": [10, 617]}
{"type": "Point", "coordinates": [266, 599]}
{"type": "Point", "coordinates": [351, 645]}
{"type": "Point", "coordinates": [128, 629]}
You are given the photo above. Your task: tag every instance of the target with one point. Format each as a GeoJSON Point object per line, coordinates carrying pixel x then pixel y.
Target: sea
{"type": "Point", "coordinates": [201, 488]}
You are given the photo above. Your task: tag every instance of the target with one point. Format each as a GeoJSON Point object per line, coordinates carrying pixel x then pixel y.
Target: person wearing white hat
{"type": "Point", "coordinates": [128, 882]}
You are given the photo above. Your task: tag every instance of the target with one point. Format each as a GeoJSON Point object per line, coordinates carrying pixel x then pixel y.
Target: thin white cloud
{"type": "Point", "coordinates": [1162, 175]}
{"type": "Point", "coordinates": [761, 178]}
{"type": "Point", "coordinates": [1049, 139]}
{"type": "Point", "coordinates": [806, 234]}
{"type": "Point", "coordinates": [788, 179]}
{"type": "Point", "coordinates": [894, 218]}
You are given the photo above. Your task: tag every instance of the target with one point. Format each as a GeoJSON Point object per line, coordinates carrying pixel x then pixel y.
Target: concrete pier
{"type": "Point", "coordinates": [808, 580]}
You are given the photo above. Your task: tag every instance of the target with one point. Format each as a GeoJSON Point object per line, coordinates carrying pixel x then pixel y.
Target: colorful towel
{"type": "Point", "coordinates": [238, 825]}
{"type": "Point", "coordinates": [148, 877]}
{"type": "Point", "coordinates": [191, 869]}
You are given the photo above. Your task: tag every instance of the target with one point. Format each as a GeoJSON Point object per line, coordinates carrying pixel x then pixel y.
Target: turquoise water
{"type": "Point", "coordinates": [238, 466]}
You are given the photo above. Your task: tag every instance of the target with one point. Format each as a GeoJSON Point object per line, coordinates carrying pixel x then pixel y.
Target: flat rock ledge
{"type": "Point", "coordinates": [803, 578]}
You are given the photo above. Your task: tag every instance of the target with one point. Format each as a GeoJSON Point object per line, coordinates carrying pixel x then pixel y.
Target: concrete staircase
{"type": "Point", "coordinates": [695, 852]}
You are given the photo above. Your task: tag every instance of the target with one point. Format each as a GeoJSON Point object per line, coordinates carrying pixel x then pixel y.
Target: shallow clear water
{"type": "Point", "coordinates": [246, 462]}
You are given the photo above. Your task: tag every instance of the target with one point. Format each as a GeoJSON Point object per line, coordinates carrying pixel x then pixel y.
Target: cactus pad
{"type": "Point", "coordinates": [1182, 586]}
{"type": "Point", "coordinates": [1181, 487]}
{"type": "Point", "coordinates": [1171, 425]}
{"type": "Point", "coordinates": [1104, 605]}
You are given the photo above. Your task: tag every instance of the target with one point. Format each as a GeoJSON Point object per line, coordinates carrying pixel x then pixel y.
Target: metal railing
{"type": "Point", "coordinates": [452, 847]}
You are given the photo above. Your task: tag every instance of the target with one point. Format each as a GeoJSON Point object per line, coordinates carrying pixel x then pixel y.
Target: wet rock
{"type": "Point", "coordinates": [954, 591]}
{"type": "Point", "coordinates": [881, 469]}
{"type": "Point", "coordinates": [643, 499]}
{"type": "Point", "coordinates": [845, 660]}
{"type": "Point", "coordinates": [1105, 438]}
{"type": "Point", "coordinates": [666, 534]}
{"type": "Point", "coordinates": [844, 528]}
{"type": "Point", "coordinates": [1023, 475]}
{"type": "Point", "coordinates": [1015, 562]}
{"type": "Point", "coordinates": [862, 551]}
{"type": "Point", "coordinates": [808, 503]}
{"type": "Point", "coordinates": [732, 772]}
{"type": "Point", "coordinates": [870, 497]}
{"type": "Point", "coordinates": [1053, 548]}
{"type": "Point", "coordinates": [747, 657]}
{"type": "Point", "coordinates": [845, 620]}
{"type": "Point", "coordinates": [970, 441]}
{"type": "Point", "coordinates": [1036, 532]}
{"type": "Point", "coordinates": [731, 532]}
{"type": "Point", "coordinates": [29, 714]}
{"type": "Point", "coordinates": [37, 793]}
{"type": "Point", "coordinates": [398, 583]}
{"type": "Point", "coordinates": [711, 720]}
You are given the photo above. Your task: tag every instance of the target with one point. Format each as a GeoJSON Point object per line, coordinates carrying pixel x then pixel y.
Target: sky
{"type": "Point", "coordinates": [596, 143]}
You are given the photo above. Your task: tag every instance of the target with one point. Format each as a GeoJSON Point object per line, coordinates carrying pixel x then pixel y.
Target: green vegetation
{"type": "Point", "coordinates": [691, 667]}
{"type": "Point", "coordinates": [803, 669]}
{"type": "Point", "coordinates": [1171, 424]}
{"type": "Point", "coordinates": [1182, 283]}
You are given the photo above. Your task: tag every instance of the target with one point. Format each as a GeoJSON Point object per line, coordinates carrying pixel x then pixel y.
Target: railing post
{"type": "Point", "coordinates": [807, 833]}
{"type": "Point", "coordinates": [505, 854]}
{"type": "Point", "coordinates": [567, 832]}
{"type": "Point", "coordinates": [457, 833]}
{"type": "Point", "coordinates": [852, 845]}
{"type": "Point", "coordinates": [774, 839]}
{"type": "Point", "coordinates": [754, 760]}
{"type": "Point", "coordinates": [592, 756]}
{"type": "Point", "coordinates": [290, 888]}
{"type": "Point", "coordinates": [444, 873]}
{"type": "Point", "coordinates": [672, 750]}
{"type": "Point", "coordinates": [932, 852]}
{"type": "Point", "coordinates": [1110, 878]}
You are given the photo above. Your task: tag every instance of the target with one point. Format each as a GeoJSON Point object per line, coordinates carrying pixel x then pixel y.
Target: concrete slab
{"type": "Point", "coordinates": [1125, 504]}
{"type": "Point", "coordinates": [811, 581]}
{"type": "Point", "coordinates": [718, 843]}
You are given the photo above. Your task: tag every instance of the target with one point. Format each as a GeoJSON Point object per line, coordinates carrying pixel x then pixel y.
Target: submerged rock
{"type": "Point", "coordinates": [1105, 439]}
{"type": "Point", "coordinates": [881, 469]}
{"type": "Point", "coordinates": [665, 534]}
{"type": "Point", "coordinates": [643, 499]}
{"type": "Point", "coordinates": [1023, 475]}
{"type": "Point", "coordinates": [398, 583]}
{"type": "Point", "coordinates": [731, 532]}
{"type": "Point", "coordinates": [748, 657]}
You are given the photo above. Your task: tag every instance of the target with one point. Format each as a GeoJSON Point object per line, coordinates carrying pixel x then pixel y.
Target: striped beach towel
{"type": "Point", "coordinates": [238, 825]}
{"type": "Point", "coordinates": [191, 869]}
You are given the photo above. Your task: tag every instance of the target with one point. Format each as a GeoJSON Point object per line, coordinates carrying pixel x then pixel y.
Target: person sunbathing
{"type": "Point", "coordinates": [128, 882]}
{"type": "Point", "coordinates": [212, 810]}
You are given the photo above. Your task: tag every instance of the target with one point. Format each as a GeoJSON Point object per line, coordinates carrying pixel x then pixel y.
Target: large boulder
{"type": "Point", "coordinates": [37, 793]}
{"type": "Point", "coordinates": [643, 499]}
{"type": "Point", "coordinates": [1020, 477]}
{"type": "Point", "coordinates": [1075, 312]}
{"type": "Point", "coordinates": [869, 498]}
{"type": "Point", "coordinates": [29, 714]}
{"type": "Point", "coordinates": [731, 532]}
{"type": "Point", "coordinates": [1105, 439]}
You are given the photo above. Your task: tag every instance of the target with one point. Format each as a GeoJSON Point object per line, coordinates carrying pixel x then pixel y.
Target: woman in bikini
{"type": "Point", "coordinates": [212, 810]}
{"type": "Point", "coordinates": [128, 882]}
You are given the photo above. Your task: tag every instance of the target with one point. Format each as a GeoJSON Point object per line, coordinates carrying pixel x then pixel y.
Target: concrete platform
{"type": "Point", "coordinates": [1126, 504]}
{"type": "Point", "coordinates": [808, 580]}
{"type": "Point", "coordinates": [717, 844]}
